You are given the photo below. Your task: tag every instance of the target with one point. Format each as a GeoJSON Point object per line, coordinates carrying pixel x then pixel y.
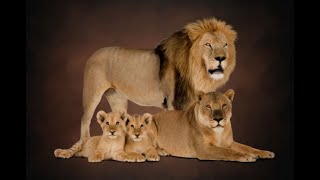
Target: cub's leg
{"type": "Point", "coordinates": [250, 150]}
{"type": "Point", "coordinates": [120, 155]}
{"type": "Point", "coordinates": [67, 153]}
{"type": "Point", "coordinates": [152, 155]}
{"type": "Point", "coordinates": [137, 157]}
{"type": "Point", "coordinates": [117, 101]}
{"type": "Point", "coordinates": [162, 152]}
{"type": "Point", "coordinates": [209, 152]}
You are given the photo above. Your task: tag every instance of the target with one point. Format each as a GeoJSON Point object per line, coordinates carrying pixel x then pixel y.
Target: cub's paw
{"type": "Point", "coordinates": [95, 158]}
{"type": "Point", "coordinates": [247, 158]}
{"type": "Point", "coordinates": [123, 157]}
{"type": "Point", "coordinates": [266, 154]}
{"type": "Point", "coordinates": [153, 157]}
{"type": "Point", "coordinates": [139, 158]}
{"type": "Point", "coordinates": [62, 153]}
{"type": "Point", "coordinates": [162, 152]}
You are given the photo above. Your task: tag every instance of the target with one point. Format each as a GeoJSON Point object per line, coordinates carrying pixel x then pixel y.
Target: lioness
{"type": "Point", "coordinates": [204, 131]}
{"type": "Point", "coordinates": [110, 145]}
{"type": "Point", "coordinates": [140, 139]}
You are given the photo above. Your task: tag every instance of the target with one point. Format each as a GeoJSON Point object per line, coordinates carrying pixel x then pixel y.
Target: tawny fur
{"type": "Point", "coordinates": [167, 77]}
{"type": "Point", "coordinates": [140, 140]}
{"type": "Point", "coordinates": [204, 131]}
{"type": "Point", "coordinates": [110, 145]}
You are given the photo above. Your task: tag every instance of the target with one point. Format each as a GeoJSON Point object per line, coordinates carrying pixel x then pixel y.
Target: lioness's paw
{"type": "Point", "coordinates": [62, 153]}
{"type": "Point", "coordinates": [162, 152]}
{"type": "Point", "coordinates": [96, 158]}
{"type": "Point", "coordinates": [153, 157]}
{"type": "Point", "coordinates": [266, 154]}
{"type": "Point", "coordinates": [247, 158]}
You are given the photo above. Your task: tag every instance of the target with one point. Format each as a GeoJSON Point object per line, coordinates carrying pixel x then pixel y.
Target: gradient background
{"type": "Point", "coordinates": [62, 35]}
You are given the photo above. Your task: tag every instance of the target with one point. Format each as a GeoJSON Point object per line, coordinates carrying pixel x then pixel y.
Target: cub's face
{"type": "Point", "coordinates": [138, 126]}
{"type": "Point", "coordinates": [214, 110]}
{"type": "Point", "coordinates": [112, 124]}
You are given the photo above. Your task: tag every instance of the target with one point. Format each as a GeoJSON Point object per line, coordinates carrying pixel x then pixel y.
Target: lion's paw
{"type": "Point", "coordinates": [266, 154]}
{"type": "Point", "coordinates": [162, 152]}
{"type": "Point", "coordinates": [63, 153]}
{"type": "Point", "coordinates": [247, 158]}
{"type": "Point", "coordinates": [96, 158]}
{"type": "Point", "coordinates": [153, 157]}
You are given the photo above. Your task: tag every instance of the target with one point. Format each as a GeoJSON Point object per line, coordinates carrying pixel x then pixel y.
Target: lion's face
{"type": "Point", "coordinates": [112, 124]}
{"type": "Point", "coordinates": [214, 110]}
{"type": "Point", "coordinates": [138, 126]}
{"type": "Point", "coordinates": [214, 48]}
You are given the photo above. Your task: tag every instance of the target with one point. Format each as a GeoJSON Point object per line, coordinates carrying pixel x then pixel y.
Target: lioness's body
{"type": "Point", "coordinates": [196, 134]}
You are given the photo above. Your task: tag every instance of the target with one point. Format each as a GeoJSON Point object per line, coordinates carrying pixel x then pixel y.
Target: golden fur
{"type": "Point", "coordinates": [110, 145]}
{"type": "Point", "coordinates": [167, 77]}
{"type": "Point", "coordinates": [140, 139]}
{"type": "Point", "coordinates": [204, 131]}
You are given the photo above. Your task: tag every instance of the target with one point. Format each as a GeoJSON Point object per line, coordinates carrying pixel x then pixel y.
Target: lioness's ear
{"type": "Point", "coordinates": [101, 116]}
{"type": "Point", "coordinates": [199, 96]}
{"type": "Point", "coordinates": [147, 118]}
{"type": "Point", "coordinates": [230, 94]}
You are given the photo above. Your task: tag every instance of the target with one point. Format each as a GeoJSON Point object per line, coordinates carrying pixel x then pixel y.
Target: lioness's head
{"type": "Point", "coordinates": [137, 126]}
{"type": "Point", "coordinates": [213, 43]}
{"type": "Point", "coordinates": [214, 109]}
{"type": "Point", "coordinates": [112, 124]}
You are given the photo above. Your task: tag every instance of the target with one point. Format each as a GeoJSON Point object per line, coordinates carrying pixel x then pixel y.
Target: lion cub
{"type": "Point", "coordinates": [110, 145]}
{"type": "Point", "coordinates": [204, 131]}
{"type": "Point", "coordinates": [140, 139]}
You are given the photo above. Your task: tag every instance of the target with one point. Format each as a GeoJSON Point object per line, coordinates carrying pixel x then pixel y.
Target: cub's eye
{"type": "Point", "coordinates": [207, 44]}
{"type": "Point", "coordinates": [132, 125]}
{"type": "Point", "coordinates": [224, 105]}
{"type": "Point", "coordinates": [225, 45]}
{"type": "Point", "coordinates": [208, 106]}
{"type": "Point", "coordinates": [141, 125]}
{"type": "Point", "coordinates": [107, 123]}
{"type": "Point", "coordinates": [117, 123]}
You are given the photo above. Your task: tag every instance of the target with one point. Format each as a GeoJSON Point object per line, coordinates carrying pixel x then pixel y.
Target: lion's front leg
{"type": "Point", "coordinates": [250, 150]}
{"type": "Point", "coordinates": [209, 152]}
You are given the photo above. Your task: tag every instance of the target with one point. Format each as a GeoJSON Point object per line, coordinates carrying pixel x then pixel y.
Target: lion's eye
{"type": "Point", "coordinates": [225, 45]}
{"type": "Point", "coordinates": [117, 123]}
{"type": "Point", "coordinates": [224, 105]}
{"type": "Point", "coordinates": [107, 123]}
{"type": "Point", "coordinates": [141, 125]}
{"type": "Point", "coordinates": [208, 106]}
{"type": "Point", "coordinates": [132, 125]}
{"type": "Point", "coordinates": [208, 45]}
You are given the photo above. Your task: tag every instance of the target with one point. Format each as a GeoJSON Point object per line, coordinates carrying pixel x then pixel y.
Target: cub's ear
{"type": "Point", "coordinates": [147, 118]}
{"type": "Point", "coordinates": [230, 94]}
{"type": "Point", "coordinates": [128, 119]}
{"type": "Point", "coordinates": [102, 116]}
{"type": "Point", "coordinates": [199, 96]}
{"type": "Point", "coordinates": [123, 115]}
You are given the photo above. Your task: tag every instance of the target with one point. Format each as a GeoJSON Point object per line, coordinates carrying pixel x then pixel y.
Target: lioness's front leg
{"type": "Point", "coordinates": [247, 149]}
{"type": "Point", "coordinates": [209, 152]}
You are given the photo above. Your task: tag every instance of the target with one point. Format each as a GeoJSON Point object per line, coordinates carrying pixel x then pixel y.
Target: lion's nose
{"type": "Point", "coordinates": [137, 135]}
{"type": "Point", "coordinates": [218, 119]}
{"type": "Point", "coordinates": [112, 131]}
{"type": "Point", "coordinates": [220, 58]}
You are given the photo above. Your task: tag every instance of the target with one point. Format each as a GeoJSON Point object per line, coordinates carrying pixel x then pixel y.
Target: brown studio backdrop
{"type": "Point", "coordinates": [62, 35]}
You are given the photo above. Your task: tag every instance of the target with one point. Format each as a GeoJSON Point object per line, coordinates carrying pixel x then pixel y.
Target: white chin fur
{"type": "Point", "coordinates": [217, 76]}
{"type": "Point", "coordinates": [218, 129]}
{"type": "Point", "coordinates": [136, 139]}
{"type": "Point", "coordinates": [112, 137]}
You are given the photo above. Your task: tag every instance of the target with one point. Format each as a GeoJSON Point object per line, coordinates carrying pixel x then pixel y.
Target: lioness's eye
{"type": "Point", "coordinates": [107, 123]}
{"type": "Point", "coordinates": [132, 126]}
{"type": "Point", "coordinates": [208, 107]}
{"type": "Point", "coordinates": [117, 123]}
{"type": "Point", "coordinates": [224, 105]}
{"type": "Point", "coordinates": [208, 45]}
{"type": "Point", "coordinates": [141, 125]}
{"type": "Point", "coordinates": [225, 45]}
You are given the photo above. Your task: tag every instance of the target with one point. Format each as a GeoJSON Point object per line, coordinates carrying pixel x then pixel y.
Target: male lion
{"type": "Point", "coordinates": [204, 131]}
{"type": "Point", "coordinates": [110, 145]}
{"type": "Point", "coordinates": [199, 57]}
{"type": "Point", "coordinates": [140, 139]}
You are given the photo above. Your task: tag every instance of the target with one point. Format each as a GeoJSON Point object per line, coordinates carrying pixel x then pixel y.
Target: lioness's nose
{"type": "Point", "coordinates": [220, 58]}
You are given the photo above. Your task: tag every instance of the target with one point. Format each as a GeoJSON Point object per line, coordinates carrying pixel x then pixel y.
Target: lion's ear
{"type": "Point", "coordinates": [199, 96]}
{"type": "Point", "coordinates": [193, 30]}
{"type": "Point", "coordinates": [123, 115]}
{"type": "Point", "coordinates": [147, 118]}
{"type": "Point", "coordinates": [128, 119]}
{"type": "Point", "coordinates": [230, 94]}
{"type": "Point", "coordinates": [101, 116]}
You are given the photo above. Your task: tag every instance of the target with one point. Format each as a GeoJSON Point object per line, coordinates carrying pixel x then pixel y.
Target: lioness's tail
{"type": "Point", "coordinates": [67, 153]}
